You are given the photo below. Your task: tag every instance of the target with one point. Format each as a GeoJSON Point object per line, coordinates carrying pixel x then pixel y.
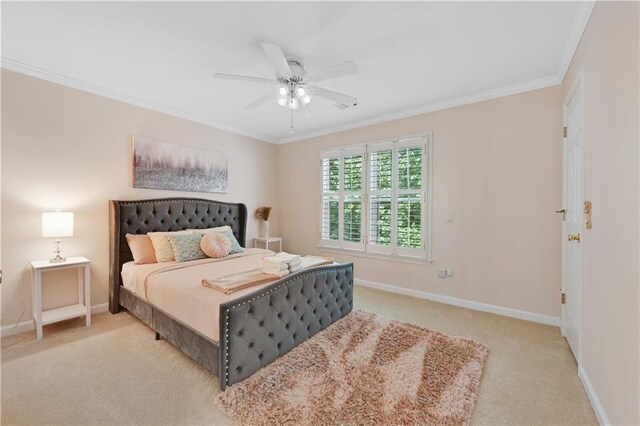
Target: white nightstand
{"type": "Point", "coordinates": [79, 309]}
{"type": "Point", "coordinates": [266, 241]}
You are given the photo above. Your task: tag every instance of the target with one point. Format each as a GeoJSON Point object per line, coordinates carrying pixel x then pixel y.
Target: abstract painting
{"type": "Point", "coordinates": [165, 165]}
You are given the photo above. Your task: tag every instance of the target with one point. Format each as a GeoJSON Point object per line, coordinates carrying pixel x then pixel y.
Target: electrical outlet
{"type": "Point", "coordinates": [450, 272]}
{"type": "Point", "coordinates": [442, 272]}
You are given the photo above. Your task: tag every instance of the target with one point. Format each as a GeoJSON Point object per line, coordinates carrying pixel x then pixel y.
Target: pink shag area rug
{"type": "Point", "coordinates": [364, 370]}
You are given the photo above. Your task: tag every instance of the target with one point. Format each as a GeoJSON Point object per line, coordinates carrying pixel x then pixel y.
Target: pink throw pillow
{"type": "Point", "coordinates": [141, 248]}
{"type": "Point", "coordinates": [215, 245]}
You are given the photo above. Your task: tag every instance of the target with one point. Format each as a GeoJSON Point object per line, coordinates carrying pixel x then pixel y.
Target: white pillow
{"type": "Point", "coordinates": [162, 247]}
{"type": "Point", "coordinates": [210, 230]}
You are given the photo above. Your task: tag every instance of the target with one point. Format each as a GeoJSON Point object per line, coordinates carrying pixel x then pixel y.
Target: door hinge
{"type": "Point", "coordinates": [563, 298]}
{"type": "Point", "coordinates": [564, 132]}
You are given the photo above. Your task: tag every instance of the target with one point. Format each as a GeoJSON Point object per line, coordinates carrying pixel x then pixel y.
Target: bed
{"type": "Point", "coordinates": [253, 327]}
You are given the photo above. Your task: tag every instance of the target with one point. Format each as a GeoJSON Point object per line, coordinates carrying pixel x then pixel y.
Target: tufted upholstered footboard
{"type": "Point", "coordinates": [258, 328]}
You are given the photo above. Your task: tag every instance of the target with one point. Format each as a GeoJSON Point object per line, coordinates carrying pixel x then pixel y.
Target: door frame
{"type": "Point", "coordinates": [576, 85]}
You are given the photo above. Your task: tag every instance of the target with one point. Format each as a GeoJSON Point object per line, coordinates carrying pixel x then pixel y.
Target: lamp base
{"type": "Point", "coordinates": [57, 251]}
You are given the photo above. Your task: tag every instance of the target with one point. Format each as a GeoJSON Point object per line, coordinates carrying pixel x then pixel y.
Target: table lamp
{"type": "Point", "coordinates": [55, 225]}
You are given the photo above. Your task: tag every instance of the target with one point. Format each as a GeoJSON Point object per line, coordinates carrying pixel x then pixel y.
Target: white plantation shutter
{"type": "Point", "coordinates": [380, 180]}
{"type": "Point", "coordinates": [352, 197]}
{"type": "Point", "coordinates": [377, 197]}
{"type": "Point", "coordinates": [410, 186]}
{"type": "Point", "coordinates": [330, 203]}
{"type": "Point", "coordinates": [342, 183]}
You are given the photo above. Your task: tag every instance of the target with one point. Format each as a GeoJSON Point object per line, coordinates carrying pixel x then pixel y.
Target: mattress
{"type": "Point", "coordinates": [177, 289]}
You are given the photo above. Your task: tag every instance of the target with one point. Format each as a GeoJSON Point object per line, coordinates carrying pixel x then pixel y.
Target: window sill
{"type": "Point", "coordinates": [387, 257]}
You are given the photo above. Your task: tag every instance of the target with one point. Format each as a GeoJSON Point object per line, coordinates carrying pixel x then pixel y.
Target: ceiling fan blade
{"type": "Point", "coordinates": [338, 98]}
{"type": "Point", "coordinates": [244, 78]}
{"type": "Point", "coordinates": [275, 55]}
{"type": "Point", "coordinates": [260, 101]}
{"type": "Point", "coordinates": [339, 70]}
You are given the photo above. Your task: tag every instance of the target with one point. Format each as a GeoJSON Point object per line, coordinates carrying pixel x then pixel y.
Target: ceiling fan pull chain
{"type": "Point", "coordinates": [291, 97]}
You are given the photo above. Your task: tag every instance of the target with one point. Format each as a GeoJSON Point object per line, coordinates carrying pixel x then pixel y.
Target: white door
{"type": "Point", "coordinates": [573, 205]}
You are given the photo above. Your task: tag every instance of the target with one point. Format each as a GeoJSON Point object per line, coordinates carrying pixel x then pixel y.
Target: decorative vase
{"type": "Point", "coordinates": [265, 229]}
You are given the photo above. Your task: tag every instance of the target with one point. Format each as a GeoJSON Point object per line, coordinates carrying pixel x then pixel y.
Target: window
{"type": "Point", "coordinates": [376, 197]}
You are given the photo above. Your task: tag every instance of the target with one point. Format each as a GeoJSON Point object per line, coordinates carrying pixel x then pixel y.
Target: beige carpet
{"type": "Point", "coordinates": [364, 370]}
{"type": "Point", "coordinates": [116, 373]}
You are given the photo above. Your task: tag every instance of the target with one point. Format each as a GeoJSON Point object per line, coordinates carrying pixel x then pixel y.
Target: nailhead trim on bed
{"type": "Point", "coordinates": [339, 286]}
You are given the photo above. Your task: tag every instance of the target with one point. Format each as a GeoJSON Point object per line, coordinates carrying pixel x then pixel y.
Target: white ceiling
{"type": "Point", "coordinates": [413, 57]}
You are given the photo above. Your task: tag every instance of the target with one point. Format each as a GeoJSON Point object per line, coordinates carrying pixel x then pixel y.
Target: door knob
{"type": "Point", "coordinates": [572, 237]}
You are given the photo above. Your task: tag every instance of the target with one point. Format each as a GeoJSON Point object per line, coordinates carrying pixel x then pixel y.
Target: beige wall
{"type": "Point", "coordinates": [68, 149]}
{"type": "Point", "coordinates": [608, 57]}
{"type": "Point", "coordinates": [496, 168]}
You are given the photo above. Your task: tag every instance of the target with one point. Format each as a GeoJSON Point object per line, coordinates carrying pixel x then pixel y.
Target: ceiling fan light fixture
{"type": "Point", "coordinates": [282, 90]}
{"type": "Point", "coordinates": [289, 102]}
{"type": "Point", "coordinates": [303, 94]}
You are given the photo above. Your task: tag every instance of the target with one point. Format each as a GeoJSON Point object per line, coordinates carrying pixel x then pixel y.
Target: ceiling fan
{"type": "Point", "coordinates": [291, 87]}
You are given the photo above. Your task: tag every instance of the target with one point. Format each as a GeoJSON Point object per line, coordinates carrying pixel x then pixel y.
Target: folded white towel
{"type": "Point", "coordinates": [279, 274]}
{"type": "Point", "coordinates": [275, 266]}
{"type": "Point", "coordinates": [274, 260]}
{"type": "Point", "coordinates": [294, 264]}
{"type": "Point", "coordinates": [288, 258]}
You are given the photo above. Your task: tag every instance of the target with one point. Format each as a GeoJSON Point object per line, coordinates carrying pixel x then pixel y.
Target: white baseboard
{"type": "Point", "coordinates": [601, 415]}
{"type": "Point", "coordinates": [23, 326]}
{"type": "Point", "coordinates": [478, 306]}
{"type": "Point", "coordinates": [98, 309]}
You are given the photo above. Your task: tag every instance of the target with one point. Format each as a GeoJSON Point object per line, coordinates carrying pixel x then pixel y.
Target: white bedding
{"type": "Point", "coordinates": [176, 288]}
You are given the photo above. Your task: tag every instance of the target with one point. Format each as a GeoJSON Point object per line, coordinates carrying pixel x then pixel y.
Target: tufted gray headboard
{"type": "Point", "coordinates": [163, 214]}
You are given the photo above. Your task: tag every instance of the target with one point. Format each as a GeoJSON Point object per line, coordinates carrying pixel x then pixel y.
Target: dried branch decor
{"type": "Point", "coordinates": [263, 213]}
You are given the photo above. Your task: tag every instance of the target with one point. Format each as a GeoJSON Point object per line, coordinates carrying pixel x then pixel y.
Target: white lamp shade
{"type": "Point", "coordinates": [57, 224]}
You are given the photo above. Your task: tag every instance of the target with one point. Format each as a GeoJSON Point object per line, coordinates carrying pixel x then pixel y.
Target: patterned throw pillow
{"type": "Point", "coordinates": [186, 247]}
{"type": "Point", "coordinates": [235, 245]}
{"type": "Point", "coordinates": [164, 252]}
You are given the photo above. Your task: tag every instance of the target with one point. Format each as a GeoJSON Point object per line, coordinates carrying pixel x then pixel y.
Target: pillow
{"type": "Point", "coordinates": [215, 244]}
{"type": "Point", "coordinates": [186, 247]}
{"type": "Point", "coordinates": [210, 230]}
{"type": "Point", "coordinates": [141, 248]}
{"type": "Point", "coordinates": [164, 251]}
{"type": "Point", "coordinates": [226, 231]}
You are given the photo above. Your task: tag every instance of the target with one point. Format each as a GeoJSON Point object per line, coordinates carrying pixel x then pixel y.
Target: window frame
{"type": "Point", "coordinates": [365, 248]}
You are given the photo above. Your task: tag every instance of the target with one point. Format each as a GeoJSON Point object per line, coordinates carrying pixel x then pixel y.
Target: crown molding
{"type": "Point", "coordinates": [13, 65]}
{"type": "Point", "coordinates": [436, 106]}
{"type": "Point", "coordinates": [580, 22]}
{"type": "Point", "coordinates": [583, 13]}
